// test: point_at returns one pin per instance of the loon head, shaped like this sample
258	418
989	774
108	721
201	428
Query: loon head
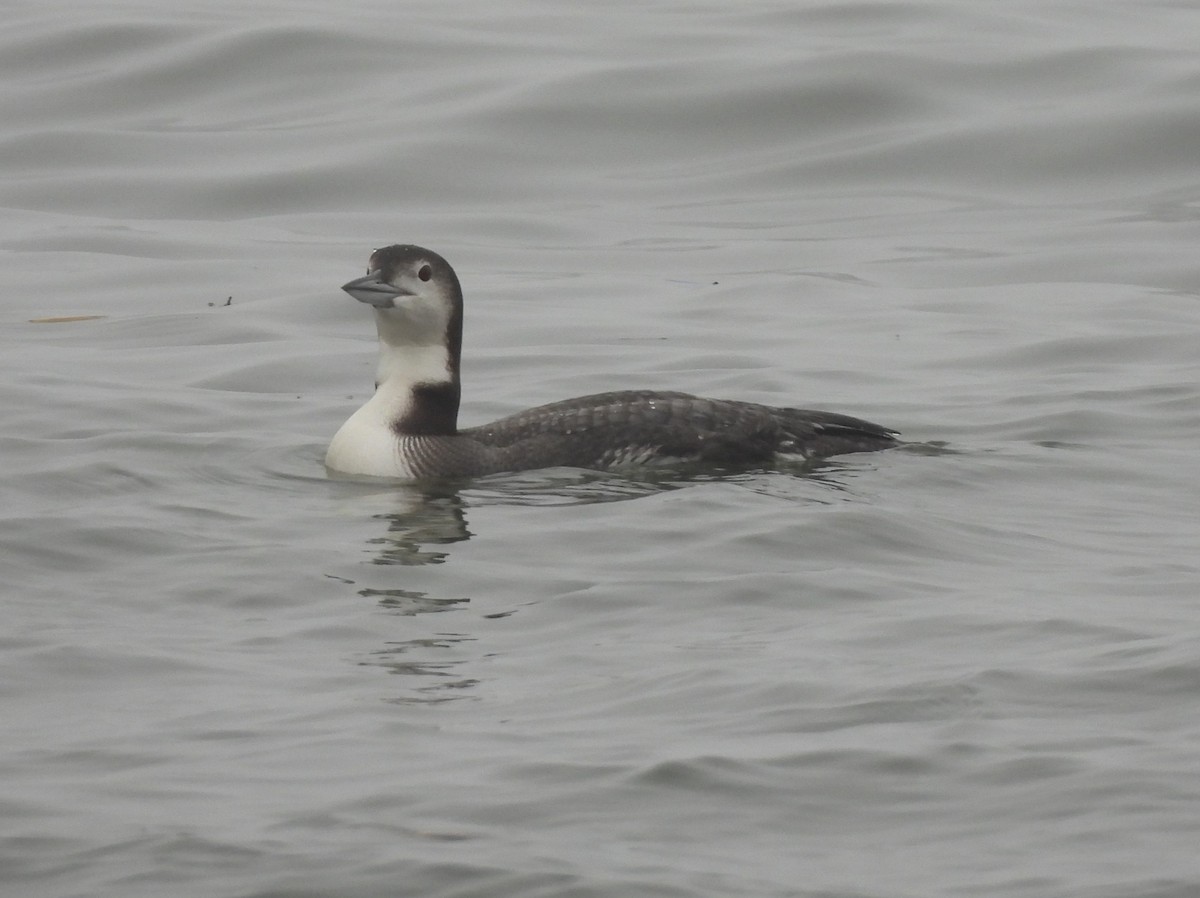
418	313
415	294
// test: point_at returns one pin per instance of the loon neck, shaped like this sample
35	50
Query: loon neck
416	376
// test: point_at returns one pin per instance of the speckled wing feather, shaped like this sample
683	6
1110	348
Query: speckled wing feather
636	427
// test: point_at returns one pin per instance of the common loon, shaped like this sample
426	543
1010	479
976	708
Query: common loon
409	427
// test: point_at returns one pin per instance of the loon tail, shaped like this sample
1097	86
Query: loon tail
818	434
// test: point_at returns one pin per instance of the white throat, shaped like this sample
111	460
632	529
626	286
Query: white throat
400	368
412	345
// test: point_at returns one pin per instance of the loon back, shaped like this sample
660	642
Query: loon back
409	427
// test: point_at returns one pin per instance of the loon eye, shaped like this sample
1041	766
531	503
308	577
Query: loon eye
425	273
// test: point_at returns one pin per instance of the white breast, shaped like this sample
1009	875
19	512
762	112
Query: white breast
366	444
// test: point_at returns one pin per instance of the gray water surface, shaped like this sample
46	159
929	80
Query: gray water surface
970	667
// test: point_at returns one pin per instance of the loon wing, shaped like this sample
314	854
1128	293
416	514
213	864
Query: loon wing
638	426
